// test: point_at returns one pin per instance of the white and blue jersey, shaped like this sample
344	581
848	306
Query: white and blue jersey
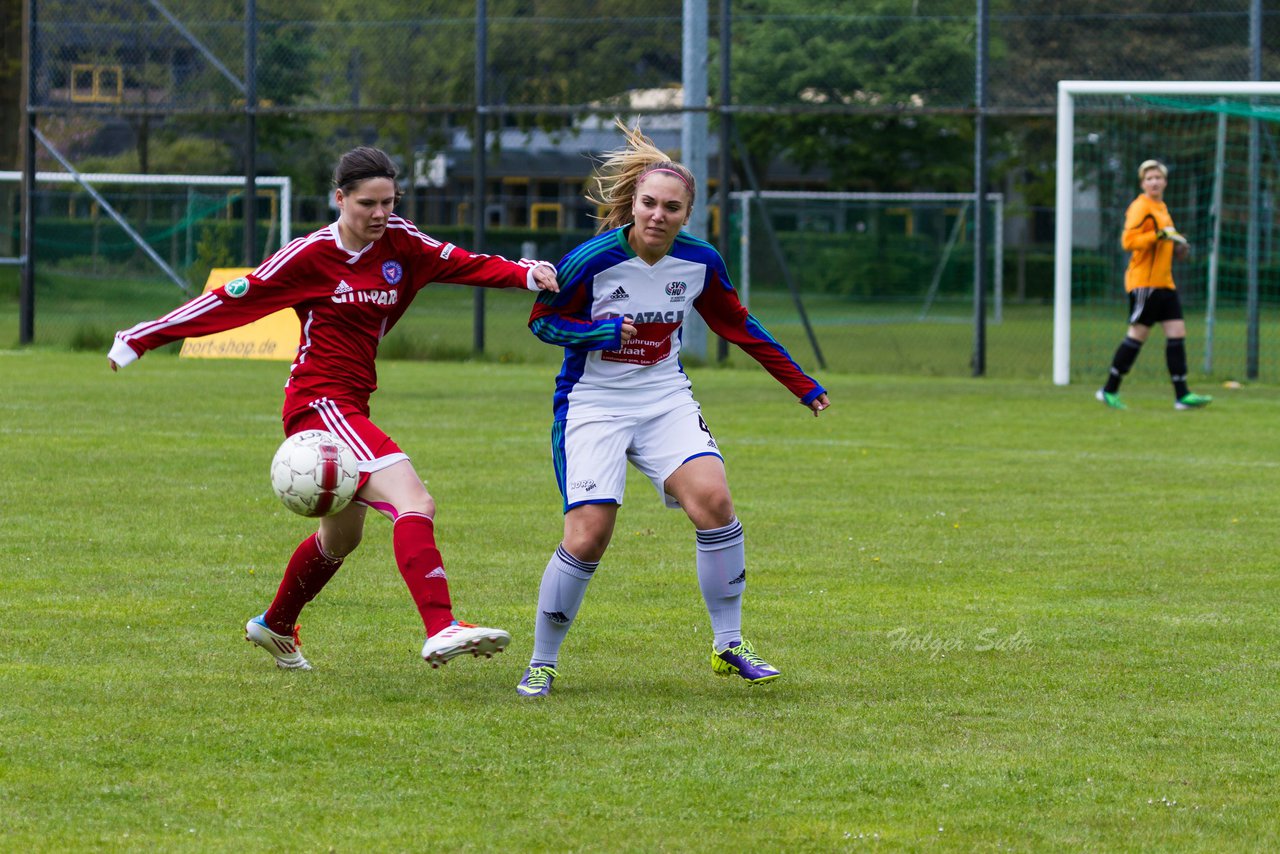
602	281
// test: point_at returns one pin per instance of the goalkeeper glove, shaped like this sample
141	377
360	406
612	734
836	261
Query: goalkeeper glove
1170	233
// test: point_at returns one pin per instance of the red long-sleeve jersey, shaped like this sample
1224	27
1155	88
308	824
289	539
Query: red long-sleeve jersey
346	302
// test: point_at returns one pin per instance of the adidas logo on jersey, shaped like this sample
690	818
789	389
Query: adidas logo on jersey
620	293
342	288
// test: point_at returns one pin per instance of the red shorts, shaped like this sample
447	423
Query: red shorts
374	449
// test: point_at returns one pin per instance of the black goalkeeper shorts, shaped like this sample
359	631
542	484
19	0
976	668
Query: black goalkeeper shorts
1149	306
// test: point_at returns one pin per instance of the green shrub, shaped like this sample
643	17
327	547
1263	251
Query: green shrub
88	337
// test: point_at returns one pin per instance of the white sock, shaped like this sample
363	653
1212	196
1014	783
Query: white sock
564	584
722	576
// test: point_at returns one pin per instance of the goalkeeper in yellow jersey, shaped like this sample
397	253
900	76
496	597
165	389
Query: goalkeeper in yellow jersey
1153	242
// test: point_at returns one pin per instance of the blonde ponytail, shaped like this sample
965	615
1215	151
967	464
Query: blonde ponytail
620	173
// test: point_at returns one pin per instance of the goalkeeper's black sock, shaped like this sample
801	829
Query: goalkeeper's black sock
1126	355
1175	355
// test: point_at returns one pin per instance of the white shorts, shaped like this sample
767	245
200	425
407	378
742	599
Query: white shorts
591	455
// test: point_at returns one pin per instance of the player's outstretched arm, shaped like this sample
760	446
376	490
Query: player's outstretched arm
213	311
728	317
121	354
607	333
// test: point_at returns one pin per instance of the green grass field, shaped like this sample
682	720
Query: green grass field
1008	619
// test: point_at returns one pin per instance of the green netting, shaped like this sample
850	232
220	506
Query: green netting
886	280
902	258
72	216
1204	140
92	278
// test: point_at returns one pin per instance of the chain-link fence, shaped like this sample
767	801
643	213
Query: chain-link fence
822	95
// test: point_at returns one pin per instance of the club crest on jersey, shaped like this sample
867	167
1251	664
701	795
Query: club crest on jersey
392	272
676	290
237	288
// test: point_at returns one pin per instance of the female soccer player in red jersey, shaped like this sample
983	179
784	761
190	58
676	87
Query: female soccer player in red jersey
1153	243
349	283
622	396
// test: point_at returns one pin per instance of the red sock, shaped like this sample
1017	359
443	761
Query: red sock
423	569
305	576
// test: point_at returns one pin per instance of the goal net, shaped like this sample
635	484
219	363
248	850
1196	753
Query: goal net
1219	141
89	222
114	247
876	257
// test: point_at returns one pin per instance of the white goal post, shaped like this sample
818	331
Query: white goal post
90	180
283	183
1064	219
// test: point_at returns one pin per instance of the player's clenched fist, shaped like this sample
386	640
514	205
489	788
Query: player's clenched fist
628	329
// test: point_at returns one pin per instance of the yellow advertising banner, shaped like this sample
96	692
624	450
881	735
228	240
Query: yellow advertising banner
273	337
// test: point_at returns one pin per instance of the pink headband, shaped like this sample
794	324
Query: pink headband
683	179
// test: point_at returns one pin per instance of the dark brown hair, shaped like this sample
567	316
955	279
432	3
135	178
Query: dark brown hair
361	164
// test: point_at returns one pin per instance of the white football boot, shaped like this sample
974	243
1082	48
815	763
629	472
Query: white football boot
284	648
462	638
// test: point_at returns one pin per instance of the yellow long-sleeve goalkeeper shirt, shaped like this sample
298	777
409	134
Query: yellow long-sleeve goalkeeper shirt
1151	261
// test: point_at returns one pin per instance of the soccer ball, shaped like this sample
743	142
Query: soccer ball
314	473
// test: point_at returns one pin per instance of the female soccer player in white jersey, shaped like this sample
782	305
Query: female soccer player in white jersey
349	283
623	395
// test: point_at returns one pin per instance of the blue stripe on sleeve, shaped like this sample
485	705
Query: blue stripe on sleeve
571	265
582	336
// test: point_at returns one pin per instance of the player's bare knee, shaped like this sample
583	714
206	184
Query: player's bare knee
342	532
418	502
416	499
424	505
590	551
1138	332
711	510
337	544
587	545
